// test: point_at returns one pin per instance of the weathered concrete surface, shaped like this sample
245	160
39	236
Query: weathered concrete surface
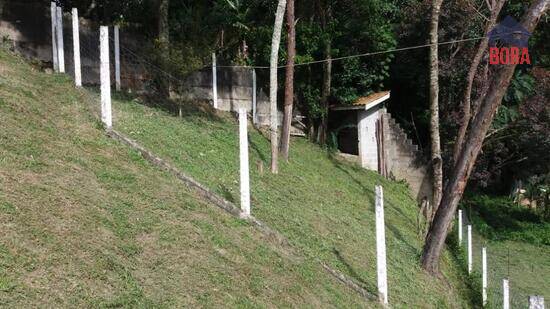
28	25
404	161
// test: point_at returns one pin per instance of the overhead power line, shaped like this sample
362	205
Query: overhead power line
358	55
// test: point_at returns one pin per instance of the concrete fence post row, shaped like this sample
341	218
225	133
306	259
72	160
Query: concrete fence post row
535	301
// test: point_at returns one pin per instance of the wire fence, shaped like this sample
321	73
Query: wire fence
139	72
503	262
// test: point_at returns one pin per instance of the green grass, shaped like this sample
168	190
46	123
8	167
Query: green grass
517	248
322	205
88	223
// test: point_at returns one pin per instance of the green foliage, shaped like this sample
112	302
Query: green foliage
499	218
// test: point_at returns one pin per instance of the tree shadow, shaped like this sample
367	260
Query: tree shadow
341	166
370	287
176	108
397	234
256	149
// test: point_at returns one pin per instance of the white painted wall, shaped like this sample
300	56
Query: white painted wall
368	147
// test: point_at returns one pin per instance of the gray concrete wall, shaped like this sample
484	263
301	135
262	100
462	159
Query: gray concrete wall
234	90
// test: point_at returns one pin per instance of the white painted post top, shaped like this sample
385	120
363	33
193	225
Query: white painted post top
536	302
505	294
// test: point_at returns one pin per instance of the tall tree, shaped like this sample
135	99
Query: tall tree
275	42
162	22
325	15
163	38
476	133
437	161
289	79
495	7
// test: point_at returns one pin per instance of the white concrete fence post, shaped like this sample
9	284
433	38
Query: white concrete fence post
60	47
536	302
254	103
117	57
505	294
469	249
245	177
106	114
76	49
484	275
55	56
214	82
382	274
460	227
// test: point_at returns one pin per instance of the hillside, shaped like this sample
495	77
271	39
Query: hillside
87	222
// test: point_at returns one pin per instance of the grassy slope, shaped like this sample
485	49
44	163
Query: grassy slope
85	222
324	206
517	246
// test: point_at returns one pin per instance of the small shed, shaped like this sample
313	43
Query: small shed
369	139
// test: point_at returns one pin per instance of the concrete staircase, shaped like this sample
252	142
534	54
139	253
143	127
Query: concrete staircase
404	161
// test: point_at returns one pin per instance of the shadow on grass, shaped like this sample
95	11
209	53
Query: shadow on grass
187	109
397	234
472	281
343	167
370	192
370	287
226	194
499	218
256	149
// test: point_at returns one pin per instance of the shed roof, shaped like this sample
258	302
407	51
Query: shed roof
365	103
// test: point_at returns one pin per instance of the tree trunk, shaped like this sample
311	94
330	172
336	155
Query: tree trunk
437	162
289	80
469	152
325	16
275	42
163	26
466	99
325	93
163	36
